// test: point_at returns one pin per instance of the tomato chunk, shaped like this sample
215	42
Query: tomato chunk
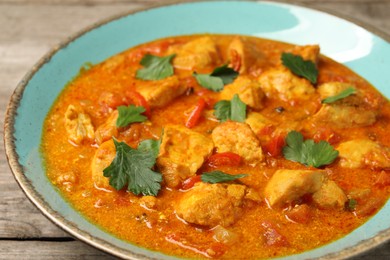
299	214
138	100
272	236
275	145
267	130
224	159
111	100
196	113
190	182
326	134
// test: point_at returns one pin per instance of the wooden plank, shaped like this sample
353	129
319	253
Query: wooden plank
28	32
75	250
26	36
20	219
48	250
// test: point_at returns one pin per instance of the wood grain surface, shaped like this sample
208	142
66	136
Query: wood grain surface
28	29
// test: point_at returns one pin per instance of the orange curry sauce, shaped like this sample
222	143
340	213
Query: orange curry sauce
259	230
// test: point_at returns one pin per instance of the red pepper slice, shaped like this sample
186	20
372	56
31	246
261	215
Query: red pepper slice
224	159
195	115
138	100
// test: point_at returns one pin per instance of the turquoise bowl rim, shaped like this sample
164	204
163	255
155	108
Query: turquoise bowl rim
39	201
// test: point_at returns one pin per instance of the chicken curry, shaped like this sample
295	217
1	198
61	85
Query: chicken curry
221	146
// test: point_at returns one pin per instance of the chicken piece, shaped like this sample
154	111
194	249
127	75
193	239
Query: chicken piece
103	157
238	138
243	54
196	54
148	202
212	204
347	112
308	52
108	129
78	125
287	126
248	90
341	116
364	153
173	172
237	193
257	121
330	89
282	83
114	62
285	186
158	93
182	153
330	195
360	98
252	195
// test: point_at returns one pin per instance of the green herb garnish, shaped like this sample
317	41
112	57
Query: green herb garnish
300	67
130	114
155	67
133	167
215	81
308	152
343	94
218	176
234	110
350	205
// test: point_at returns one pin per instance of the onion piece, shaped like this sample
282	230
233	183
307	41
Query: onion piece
224	235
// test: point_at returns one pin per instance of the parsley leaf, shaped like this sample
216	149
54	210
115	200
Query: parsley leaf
222	110
155	67
293	150
150	146
218	176
350	205
343	94
234	110
130	114
300	67
215	81
133	167
228	75
238	109
308	152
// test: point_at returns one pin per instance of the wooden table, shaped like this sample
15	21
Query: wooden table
28	29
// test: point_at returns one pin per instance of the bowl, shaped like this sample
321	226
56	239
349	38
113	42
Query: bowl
358	48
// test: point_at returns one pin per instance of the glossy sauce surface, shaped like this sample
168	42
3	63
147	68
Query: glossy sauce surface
158	227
